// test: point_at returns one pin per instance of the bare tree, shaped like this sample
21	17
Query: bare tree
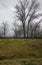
25	11
5	28
37	26
20	31
17	29
32	13
40	34
35	29
20	12
1	32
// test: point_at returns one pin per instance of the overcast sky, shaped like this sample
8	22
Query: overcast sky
7	8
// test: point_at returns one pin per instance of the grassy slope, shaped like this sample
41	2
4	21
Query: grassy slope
28	49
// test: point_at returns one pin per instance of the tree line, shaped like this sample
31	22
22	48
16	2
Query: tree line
26	13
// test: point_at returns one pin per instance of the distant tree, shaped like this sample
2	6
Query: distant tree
35	29
17	29
40	34
26	12
5	28
1	31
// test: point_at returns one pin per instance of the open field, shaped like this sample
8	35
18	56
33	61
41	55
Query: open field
20	51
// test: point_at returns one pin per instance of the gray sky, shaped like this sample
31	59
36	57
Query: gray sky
7	8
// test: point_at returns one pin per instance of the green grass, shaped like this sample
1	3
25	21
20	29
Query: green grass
23	49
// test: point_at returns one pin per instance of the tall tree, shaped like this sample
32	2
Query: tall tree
33	8
26	12
34	28
21	12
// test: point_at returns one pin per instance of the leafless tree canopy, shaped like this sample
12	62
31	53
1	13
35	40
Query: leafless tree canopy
26	11
5	28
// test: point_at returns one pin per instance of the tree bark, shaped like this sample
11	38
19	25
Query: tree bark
28	30
24	30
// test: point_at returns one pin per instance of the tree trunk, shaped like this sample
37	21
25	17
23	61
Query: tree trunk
4	32
28	30
24	30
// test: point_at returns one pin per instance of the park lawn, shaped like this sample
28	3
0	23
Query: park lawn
20	51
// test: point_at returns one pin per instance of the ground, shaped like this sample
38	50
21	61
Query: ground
20	51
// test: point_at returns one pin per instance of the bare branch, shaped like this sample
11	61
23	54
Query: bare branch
36	25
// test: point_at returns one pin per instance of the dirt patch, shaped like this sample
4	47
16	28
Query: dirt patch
34	44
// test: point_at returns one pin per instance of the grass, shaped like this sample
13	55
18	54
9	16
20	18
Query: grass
21	51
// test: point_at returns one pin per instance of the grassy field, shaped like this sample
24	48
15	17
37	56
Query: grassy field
20	51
